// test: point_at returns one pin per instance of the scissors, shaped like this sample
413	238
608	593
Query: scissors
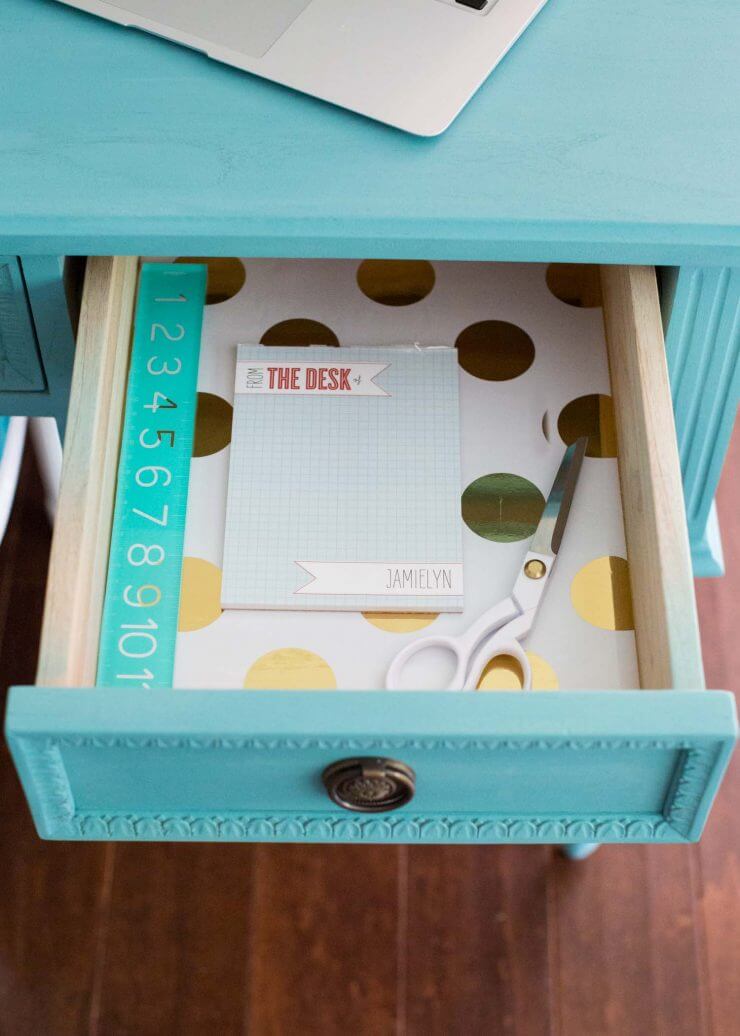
498	631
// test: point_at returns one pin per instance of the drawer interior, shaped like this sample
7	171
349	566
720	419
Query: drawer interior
624	303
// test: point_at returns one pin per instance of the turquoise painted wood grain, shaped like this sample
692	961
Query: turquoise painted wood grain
605	135
20	367
702	307
228	766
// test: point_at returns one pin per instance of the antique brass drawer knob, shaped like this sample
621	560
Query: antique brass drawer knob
369	785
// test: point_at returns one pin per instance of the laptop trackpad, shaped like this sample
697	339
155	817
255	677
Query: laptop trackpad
247	26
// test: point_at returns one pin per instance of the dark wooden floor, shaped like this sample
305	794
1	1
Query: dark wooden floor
168	939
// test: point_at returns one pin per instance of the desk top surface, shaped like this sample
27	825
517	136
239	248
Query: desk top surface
608	133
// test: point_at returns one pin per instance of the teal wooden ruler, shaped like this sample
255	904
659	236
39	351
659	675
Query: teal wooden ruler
142	599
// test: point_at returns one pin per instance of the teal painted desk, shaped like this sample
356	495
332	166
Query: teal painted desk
609	135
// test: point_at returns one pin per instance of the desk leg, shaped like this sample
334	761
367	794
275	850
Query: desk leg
579	850
701	310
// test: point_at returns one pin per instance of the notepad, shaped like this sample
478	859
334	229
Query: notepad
344	480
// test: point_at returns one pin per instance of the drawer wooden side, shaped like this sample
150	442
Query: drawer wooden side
79	556
666	624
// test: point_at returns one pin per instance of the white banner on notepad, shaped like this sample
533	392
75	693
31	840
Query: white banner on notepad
376	578
308	378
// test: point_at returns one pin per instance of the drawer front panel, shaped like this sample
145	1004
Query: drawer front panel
549	767
621	766
457	777
20	367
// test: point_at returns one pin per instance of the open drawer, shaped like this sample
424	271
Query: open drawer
629	765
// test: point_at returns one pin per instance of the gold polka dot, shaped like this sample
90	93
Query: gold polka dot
200	594
495	350
601	594
544	677
502	507
212	424
299	331
577	284
226	277
502	673
395	282
400	622
505	674
592	416
290	669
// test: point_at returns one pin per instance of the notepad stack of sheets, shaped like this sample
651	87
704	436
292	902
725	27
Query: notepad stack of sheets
344	480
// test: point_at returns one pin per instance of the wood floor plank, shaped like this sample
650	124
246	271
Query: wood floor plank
718	854
50	912
324	945
679	993
477	941
176	947
48	925
626	948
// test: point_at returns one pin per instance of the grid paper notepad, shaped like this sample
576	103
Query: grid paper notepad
344	480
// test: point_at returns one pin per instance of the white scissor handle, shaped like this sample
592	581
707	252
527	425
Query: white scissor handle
463	647
454	645
503	643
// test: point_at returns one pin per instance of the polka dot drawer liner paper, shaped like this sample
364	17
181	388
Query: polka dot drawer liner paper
533	377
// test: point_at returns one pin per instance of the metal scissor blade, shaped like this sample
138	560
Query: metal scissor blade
550	531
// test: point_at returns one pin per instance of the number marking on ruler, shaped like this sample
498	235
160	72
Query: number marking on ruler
142	599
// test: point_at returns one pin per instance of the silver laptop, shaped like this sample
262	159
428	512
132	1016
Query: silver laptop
411	63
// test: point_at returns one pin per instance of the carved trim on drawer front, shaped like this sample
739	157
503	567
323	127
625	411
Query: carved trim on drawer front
43	758
691	782
46	768
341	744
403	828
